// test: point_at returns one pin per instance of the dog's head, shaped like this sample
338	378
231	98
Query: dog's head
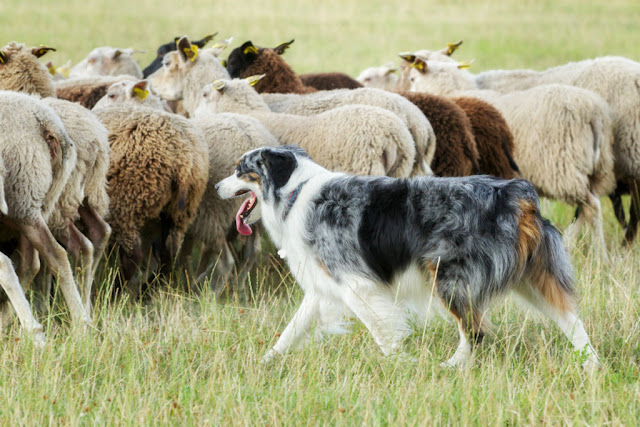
261	174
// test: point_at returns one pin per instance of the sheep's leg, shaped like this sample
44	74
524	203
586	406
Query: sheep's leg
11	285
29	263
588	212
41	291
618	208
98	231
223	270
205	265
81	250
185	259
56	258
252	248
634	213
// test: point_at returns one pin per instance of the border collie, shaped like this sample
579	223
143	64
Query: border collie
380	248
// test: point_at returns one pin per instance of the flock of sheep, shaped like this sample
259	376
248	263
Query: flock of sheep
94	155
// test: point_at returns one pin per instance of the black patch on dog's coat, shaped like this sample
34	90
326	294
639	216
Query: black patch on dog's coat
280	165
383	231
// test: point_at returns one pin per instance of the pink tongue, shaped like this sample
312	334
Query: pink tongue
243	228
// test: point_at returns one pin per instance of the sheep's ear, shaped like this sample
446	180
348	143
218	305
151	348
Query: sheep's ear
206	39
249	49
222	45
223	62
3	57
253	80
140	90
420	65
451	47
465	64
116	54
219	85
40	51
409	57
390	70
187	50
282	47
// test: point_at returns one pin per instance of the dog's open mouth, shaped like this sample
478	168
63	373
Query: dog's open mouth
243	214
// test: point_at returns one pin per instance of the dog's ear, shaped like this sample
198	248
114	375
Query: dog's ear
280	164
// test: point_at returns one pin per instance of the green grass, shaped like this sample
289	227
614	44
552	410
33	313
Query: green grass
180	359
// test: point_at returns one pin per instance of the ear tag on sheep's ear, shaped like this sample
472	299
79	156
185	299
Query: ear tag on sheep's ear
65	70
3	57
40	51
141	94
191	52
282	47
250	49
420	65
218	85
409	57
51	68
116	54
253	80
451	47
206	39
390	71
465	64
223	63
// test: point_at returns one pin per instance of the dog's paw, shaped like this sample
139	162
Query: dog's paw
269	357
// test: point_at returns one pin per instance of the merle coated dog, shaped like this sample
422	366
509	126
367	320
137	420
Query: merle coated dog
381	248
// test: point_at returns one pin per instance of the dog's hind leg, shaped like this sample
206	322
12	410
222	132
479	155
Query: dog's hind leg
375	307
297	328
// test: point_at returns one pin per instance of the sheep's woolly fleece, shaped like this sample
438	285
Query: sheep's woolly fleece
21	71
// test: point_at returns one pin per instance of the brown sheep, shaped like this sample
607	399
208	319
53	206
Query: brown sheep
494	139
456	153
158	172
329	81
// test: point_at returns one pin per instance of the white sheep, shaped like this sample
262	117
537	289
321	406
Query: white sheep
228	136
384	77
84	199
131	91
184	73
319	102
358	139
107	61
38	157
563	137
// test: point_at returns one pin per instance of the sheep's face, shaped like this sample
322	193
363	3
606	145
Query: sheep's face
384	77
440	78
236	96
241	58
127	91
167	82
107	61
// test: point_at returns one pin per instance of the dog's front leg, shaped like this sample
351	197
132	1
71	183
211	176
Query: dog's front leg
297	328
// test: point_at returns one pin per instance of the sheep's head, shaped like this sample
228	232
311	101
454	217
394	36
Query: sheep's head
241	58
21	71
170	47
440	78
384	77
168	81
236	96
127	91
107	61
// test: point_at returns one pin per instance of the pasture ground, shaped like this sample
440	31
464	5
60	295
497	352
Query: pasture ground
192	360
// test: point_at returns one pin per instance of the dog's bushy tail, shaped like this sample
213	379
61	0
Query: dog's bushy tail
551	272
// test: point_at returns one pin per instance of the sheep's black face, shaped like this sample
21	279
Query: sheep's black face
241	58
157	62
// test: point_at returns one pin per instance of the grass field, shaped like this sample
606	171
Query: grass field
192	360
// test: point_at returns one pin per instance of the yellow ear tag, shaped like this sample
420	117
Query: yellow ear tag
418	65
254	79
451	47
224	63
250	49
140	93
465	64
52	69
191	53
64	70
218	85
3	57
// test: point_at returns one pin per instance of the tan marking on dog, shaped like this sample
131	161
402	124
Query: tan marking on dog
251	177
529	231
552	292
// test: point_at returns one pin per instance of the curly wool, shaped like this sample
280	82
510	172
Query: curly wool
89	177
456	153
158	164
319	102
329	81
23	72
